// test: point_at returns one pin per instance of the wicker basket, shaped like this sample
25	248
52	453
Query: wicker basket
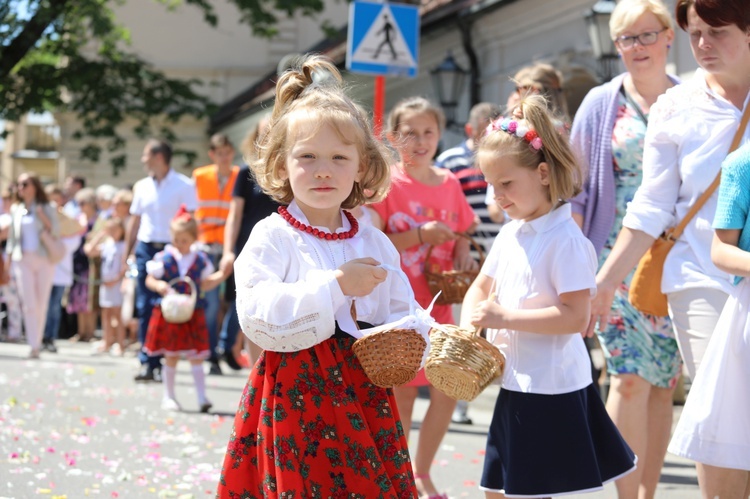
390	358
177	308
461	363
453	284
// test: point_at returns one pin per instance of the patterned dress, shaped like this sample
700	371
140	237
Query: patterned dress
310	424
633	342
190	338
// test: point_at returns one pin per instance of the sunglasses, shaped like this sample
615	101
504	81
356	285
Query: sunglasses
25	183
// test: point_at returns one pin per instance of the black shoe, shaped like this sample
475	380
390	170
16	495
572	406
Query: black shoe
215	369
231	361
49	346
149	373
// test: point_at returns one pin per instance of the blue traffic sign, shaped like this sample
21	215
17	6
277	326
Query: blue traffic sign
383	39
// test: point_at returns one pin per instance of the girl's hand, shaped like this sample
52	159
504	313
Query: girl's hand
164	288
601	305
436	233
462	259
489	313
359	277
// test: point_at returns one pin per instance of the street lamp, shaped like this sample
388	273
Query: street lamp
448	80
597	22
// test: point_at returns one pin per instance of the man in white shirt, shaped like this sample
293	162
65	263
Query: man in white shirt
156	200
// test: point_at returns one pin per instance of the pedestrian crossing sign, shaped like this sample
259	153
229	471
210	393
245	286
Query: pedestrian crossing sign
383	39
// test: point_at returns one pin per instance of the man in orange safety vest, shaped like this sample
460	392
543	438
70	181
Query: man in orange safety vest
214	185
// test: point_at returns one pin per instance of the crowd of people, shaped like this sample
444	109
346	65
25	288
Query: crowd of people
313	240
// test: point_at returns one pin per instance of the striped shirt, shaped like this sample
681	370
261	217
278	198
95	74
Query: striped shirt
460	161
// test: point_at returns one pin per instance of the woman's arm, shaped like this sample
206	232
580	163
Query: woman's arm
231	231
570	316
630	246
727	256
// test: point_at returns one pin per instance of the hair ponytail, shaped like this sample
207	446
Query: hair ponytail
313	71
312	92
566	176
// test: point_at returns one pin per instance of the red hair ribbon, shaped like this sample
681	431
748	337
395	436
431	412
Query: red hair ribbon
182	215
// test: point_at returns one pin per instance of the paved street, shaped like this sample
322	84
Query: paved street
74	425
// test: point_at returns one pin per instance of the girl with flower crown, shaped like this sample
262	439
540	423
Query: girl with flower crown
550	434
310	423
189	339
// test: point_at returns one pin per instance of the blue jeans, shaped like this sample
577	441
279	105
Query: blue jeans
212	313
229	328
144	299
54	313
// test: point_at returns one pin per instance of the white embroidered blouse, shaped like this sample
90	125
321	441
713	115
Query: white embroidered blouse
287	295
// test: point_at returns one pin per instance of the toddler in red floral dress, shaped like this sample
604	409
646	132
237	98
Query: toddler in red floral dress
167	273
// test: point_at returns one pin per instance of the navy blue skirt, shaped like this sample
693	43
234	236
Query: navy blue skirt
547	445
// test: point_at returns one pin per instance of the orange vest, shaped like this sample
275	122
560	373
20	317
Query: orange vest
213	206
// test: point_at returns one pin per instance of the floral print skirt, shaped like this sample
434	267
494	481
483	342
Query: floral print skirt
641	344
310	424
189	339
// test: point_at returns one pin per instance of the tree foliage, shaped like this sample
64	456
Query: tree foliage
72	56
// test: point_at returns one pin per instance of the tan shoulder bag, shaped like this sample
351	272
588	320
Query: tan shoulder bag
645	288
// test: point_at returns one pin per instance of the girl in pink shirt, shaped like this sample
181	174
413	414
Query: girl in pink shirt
425	207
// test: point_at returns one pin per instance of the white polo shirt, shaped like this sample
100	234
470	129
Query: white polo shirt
533	263
158	202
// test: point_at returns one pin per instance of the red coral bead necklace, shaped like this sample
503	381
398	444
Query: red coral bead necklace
328	236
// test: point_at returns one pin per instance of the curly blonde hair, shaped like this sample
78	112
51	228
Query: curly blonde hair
312	92
565	174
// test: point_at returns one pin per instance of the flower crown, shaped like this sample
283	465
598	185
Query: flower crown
519	128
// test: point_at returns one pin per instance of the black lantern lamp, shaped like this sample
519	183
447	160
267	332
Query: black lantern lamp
448	80
597	22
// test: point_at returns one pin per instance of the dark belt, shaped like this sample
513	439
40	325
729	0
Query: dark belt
156	246
341	334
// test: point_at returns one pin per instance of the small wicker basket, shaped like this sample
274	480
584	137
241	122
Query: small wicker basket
461	363
390	358
453	284
177	308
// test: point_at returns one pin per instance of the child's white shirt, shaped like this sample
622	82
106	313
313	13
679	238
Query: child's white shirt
288	297
111	253
155	267
534	263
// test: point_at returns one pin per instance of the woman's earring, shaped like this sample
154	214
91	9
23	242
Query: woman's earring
669	45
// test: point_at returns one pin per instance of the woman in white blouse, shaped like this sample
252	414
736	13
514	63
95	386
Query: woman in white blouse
689	134
33	269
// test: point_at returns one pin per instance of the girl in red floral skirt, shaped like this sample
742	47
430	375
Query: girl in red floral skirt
189	339
310	423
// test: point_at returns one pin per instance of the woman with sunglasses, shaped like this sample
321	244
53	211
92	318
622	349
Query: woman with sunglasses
608	133
689	134
33	270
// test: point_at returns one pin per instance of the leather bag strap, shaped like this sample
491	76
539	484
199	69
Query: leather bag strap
677	231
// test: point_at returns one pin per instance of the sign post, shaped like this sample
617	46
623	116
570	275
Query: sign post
383	40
